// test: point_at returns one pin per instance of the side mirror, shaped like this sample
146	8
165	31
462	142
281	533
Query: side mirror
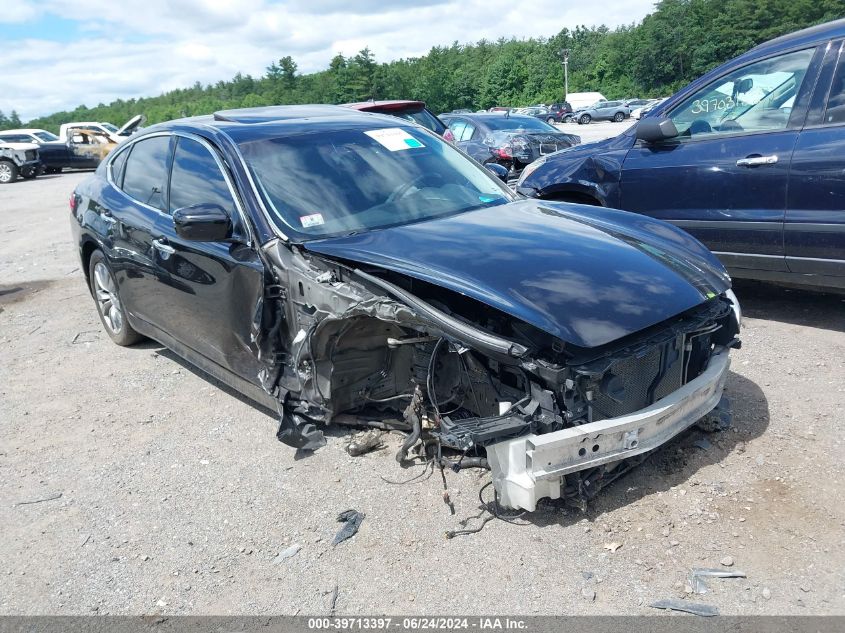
498	171
744	85
202	223
654	130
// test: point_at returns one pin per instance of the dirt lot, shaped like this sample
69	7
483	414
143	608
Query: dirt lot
177	498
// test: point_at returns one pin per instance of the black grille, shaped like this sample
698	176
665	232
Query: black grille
637	381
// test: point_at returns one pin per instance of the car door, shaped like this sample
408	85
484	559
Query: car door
724	177
606	110
814	228
207	293
131	212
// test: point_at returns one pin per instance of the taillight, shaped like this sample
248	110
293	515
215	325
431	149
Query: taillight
73	202
502	152
447	135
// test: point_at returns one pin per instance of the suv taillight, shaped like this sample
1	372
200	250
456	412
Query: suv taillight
73	202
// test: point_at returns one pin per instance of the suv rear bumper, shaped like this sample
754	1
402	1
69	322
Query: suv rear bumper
531	467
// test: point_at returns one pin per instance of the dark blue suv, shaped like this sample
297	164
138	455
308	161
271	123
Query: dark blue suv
750	159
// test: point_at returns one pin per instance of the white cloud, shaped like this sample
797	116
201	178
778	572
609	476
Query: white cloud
134	48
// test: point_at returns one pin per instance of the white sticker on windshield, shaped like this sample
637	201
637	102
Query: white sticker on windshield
315	219
394	139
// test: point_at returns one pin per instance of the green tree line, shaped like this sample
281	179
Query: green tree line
678	42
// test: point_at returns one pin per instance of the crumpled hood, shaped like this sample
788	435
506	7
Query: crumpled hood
584	274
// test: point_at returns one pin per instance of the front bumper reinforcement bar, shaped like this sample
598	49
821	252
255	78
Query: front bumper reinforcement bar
532	467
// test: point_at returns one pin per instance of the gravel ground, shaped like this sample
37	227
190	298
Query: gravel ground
177	498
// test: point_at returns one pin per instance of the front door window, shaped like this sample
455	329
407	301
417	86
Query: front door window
754	98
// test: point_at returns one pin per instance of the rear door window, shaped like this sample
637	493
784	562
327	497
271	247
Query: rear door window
196	178
145	173
835	111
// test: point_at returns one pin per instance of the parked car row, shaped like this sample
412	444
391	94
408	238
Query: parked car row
80	145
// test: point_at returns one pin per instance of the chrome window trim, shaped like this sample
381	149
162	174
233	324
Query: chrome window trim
252	183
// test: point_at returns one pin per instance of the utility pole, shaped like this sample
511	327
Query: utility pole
565	53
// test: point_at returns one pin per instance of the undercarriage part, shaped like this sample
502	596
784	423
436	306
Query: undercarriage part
297	430
413	416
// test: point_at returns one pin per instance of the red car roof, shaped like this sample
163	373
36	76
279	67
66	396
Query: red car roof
385	106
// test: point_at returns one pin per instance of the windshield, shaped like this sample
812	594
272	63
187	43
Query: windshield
109	127
47	136
517	123
324	183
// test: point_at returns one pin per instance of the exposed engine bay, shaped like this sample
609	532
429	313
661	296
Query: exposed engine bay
340	342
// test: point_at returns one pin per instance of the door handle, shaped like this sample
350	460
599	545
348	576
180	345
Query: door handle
162	246
756	161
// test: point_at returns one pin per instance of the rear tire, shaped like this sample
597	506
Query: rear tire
105	292
619	117
30	172
567	118
585	119
8	172
551	120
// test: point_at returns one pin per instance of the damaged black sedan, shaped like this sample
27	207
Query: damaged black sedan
343	267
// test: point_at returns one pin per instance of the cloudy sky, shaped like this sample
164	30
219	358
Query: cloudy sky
60	53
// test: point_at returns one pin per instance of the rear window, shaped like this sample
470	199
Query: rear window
422	117
514	123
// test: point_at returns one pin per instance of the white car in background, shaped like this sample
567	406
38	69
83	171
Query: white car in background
637	113
28	135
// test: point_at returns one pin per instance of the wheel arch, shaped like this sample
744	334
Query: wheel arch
574	192
86	249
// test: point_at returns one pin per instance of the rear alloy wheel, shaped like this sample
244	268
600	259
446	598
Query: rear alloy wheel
104	290
619	117
567	119
585	119
8	172
550	120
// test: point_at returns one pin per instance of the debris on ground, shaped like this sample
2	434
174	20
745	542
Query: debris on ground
696	608
364	443
719	419
352	521
727	561
703	444
588	594
697	576
50	498
612	547
290	552
333	601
